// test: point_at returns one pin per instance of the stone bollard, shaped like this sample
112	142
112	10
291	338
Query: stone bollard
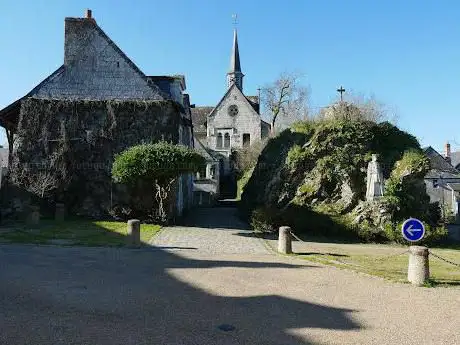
284	240
418	271
60	212
134	232
34	216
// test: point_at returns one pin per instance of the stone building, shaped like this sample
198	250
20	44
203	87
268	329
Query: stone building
235	121
97	104
443	182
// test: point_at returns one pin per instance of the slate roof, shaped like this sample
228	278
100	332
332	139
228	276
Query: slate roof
254	101
203	150
455	159
199	118
440	168
235	65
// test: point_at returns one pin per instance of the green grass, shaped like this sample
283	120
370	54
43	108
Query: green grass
242	182
76	232
382	263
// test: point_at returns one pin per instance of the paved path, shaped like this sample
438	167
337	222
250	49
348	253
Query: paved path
171	295
211	230
109	296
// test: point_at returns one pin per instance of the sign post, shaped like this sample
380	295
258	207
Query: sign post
418	271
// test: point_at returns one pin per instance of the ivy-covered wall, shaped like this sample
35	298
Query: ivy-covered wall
64	149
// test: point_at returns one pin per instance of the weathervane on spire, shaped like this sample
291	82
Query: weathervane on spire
235	19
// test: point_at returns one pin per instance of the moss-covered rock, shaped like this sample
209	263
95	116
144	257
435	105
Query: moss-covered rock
314	176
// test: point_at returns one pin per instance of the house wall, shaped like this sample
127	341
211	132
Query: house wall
442	194
85	185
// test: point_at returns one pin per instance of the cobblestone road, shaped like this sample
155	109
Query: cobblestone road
215	231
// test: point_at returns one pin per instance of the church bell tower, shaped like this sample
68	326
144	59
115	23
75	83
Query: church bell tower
234	75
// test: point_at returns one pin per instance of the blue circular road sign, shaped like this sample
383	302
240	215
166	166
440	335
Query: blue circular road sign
413	230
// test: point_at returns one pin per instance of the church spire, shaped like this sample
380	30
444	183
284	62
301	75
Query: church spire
235	58
235	76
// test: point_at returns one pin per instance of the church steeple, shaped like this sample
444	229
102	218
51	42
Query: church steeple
235	75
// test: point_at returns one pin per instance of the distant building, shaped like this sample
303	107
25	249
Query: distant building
235	121
443	181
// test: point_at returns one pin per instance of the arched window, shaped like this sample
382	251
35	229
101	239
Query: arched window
219	141
227	140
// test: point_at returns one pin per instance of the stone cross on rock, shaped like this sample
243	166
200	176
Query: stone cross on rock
374	188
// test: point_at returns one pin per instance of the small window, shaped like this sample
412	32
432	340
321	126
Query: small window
227	141
435	184
246	140
219	141
118	64
213	171
202	172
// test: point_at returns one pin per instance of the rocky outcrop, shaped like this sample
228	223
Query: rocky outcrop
312	177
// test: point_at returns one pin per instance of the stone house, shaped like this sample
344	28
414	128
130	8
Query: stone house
235	121
443	182
97	104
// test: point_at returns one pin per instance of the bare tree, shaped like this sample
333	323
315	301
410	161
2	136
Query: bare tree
285	99
357	107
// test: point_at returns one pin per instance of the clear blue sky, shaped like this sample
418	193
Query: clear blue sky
406	53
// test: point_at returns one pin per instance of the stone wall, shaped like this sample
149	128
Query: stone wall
85	136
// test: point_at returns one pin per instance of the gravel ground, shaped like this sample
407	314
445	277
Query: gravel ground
77	295
213	231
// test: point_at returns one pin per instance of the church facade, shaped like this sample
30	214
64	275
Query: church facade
234	123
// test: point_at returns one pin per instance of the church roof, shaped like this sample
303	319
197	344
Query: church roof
199	117
235	65
254	101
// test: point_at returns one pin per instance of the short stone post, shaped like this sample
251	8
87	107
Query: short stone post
60	212
284	240
418	271
134	232
34	216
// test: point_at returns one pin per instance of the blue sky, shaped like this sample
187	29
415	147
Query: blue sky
406	53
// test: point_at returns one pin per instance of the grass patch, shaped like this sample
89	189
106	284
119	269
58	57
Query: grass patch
242	181
75	232
383	261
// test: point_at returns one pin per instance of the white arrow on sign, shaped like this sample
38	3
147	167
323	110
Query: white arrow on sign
411	231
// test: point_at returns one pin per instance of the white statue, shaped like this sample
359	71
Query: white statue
374	180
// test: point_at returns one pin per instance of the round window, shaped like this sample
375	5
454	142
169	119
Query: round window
233	110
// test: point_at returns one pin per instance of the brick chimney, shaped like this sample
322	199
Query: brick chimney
448	158
89	14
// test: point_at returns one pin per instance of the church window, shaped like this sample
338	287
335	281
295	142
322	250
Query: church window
233	110
246	140
219	141
227	141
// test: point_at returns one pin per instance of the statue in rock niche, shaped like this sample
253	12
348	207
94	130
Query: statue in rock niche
374	188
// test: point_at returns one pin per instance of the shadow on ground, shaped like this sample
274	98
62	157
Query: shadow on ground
133	296
223	217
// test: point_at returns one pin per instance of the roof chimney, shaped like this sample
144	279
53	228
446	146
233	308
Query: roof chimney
448	152
88	14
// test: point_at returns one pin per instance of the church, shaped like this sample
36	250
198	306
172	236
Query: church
234	123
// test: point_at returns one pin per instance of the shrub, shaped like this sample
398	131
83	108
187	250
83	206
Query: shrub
264	219
157	165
